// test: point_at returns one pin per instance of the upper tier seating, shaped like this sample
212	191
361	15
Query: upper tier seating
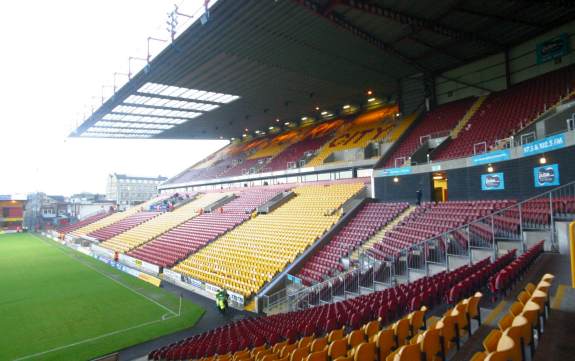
430	220
122	226
370	219
116	217
443	118
72	227
329	320
505	112
366	128
250	255
189	237
149	230
295	152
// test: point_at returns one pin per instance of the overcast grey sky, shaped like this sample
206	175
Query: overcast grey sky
55	57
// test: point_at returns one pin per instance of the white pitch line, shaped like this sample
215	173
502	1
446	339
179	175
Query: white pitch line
91	339
118	282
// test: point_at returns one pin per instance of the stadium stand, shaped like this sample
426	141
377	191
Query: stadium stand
371	218
122	226
350	322
115	217
244	259
151	229
504	113
187	238
430	220
369	127
437	122
89	220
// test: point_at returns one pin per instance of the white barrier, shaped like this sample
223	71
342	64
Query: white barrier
139	264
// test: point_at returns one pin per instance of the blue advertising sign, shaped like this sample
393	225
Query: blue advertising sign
395	171
546	175
552	48
492	182
491	157
544	145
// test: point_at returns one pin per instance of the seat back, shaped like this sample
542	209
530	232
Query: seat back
337	348
430	344
371	328
523	297
505	322
408	353
365	352
473	305
299	354
335	335
317	356
516	308
385	342
319	344
401	331
355	338
490	342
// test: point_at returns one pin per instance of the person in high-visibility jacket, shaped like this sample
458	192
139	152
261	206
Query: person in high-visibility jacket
222	300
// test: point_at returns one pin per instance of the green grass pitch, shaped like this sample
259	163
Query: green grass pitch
58	304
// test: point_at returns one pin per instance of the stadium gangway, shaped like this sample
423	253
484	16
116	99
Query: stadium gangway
504	229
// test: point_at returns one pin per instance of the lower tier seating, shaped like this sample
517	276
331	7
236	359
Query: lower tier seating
371	218
72	227
515	337
189	237
361	318
244	259
115	229
430	220
147	231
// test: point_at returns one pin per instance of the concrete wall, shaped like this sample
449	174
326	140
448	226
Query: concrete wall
464	182
490	72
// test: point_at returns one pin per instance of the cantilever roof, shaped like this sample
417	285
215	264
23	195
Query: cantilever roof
257	61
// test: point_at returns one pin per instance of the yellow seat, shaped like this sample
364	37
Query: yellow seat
335	335
417	320
503	351
408	353
472	307
365	352
278	346
505	322
401	331
305	341
287	349
490	342
385	342
479	356
354	338
430	344
529	288
319	344
523	297
461	318
516	308
337	348
447	329
370	329
317	356
299	354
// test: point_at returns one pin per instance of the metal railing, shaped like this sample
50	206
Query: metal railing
503	229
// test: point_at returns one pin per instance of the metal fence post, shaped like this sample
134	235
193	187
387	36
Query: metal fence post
552	224
469	245
524	246
494	245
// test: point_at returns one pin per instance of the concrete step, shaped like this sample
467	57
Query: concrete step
470	112
379	235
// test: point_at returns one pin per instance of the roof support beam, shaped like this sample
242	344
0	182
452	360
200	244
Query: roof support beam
341	22
371	39
437	49
497	17
427	24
